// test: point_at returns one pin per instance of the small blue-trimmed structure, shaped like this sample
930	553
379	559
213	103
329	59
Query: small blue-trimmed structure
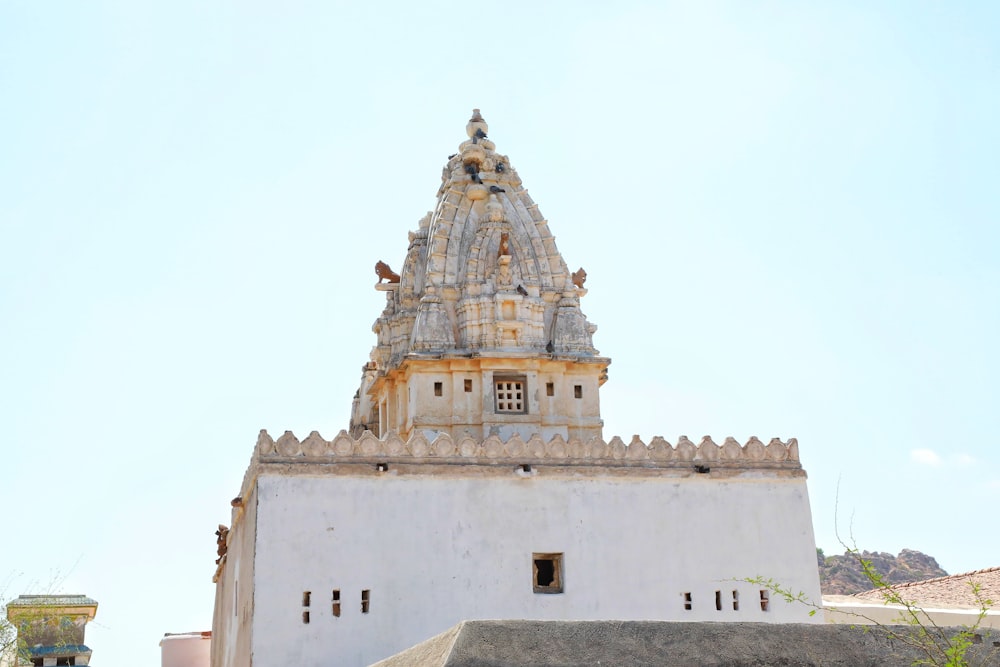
51	629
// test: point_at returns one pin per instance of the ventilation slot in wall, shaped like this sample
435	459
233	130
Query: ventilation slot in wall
736	600
718	600
764	601
365	601
336	602
687	602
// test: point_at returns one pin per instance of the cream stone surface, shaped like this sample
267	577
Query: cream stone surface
474	480
483	294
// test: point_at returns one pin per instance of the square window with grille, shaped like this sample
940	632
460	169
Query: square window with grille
511	395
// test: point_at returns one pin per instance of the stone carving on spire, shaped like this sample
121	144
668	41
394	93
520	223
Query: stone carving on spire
383	272
482	275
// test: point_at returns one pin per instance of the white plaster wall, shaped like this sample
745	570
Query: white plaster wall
192	650
234	593
842	609
435	550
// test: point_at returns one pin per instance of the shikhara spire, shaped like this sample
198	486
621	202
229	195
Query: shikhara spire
482	278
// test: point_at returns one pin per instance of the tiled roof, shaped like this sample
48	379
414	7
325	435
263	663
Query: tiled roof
52	601
952	591
61	650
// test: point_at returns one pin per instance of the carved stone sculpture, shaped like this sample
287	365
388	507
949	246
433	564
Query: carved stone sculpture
383	272
220	542
504	244
579	278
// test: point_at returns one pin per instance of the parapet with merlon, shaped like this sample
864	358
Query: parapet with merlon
659	453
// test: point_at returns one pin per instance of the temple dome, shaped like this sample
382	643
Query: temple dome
483	306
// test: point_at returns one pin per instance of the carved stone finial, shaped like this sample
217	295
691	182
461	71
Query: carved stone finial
383	272
477	127
579	277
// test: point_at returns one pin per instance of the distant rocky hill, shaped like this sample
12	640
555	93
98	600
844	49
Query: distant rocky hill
842	575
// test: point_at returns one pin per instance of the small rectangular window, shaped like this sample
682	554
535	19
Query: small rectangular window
510	396
578	391
688	604
305	617
468	386
718	600
736	600
547	573
365	601
550	388
438	388
764	601
306	596
336	602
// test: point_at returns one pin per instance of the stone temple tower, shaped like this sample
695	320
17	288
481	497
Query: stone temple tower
482	332
474	480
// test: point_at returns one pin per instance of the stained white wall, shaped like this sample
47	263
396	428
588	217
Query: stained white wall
435	550
232	620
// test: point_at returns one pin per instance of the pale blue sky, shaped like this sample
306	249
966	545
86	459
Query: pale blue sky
788	213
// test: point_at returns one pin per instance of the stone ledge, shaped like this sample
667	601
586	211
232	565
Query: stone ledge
641	643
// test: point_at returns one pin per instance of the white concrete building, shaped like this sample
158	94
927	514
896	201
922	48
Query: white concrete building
474	481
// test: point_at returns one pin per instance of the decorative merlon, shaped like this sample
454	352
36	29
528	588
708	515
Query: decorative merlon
557	451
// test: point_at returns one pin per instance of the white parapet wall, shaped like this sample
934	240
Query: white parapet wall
366	547
186	649
854	611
